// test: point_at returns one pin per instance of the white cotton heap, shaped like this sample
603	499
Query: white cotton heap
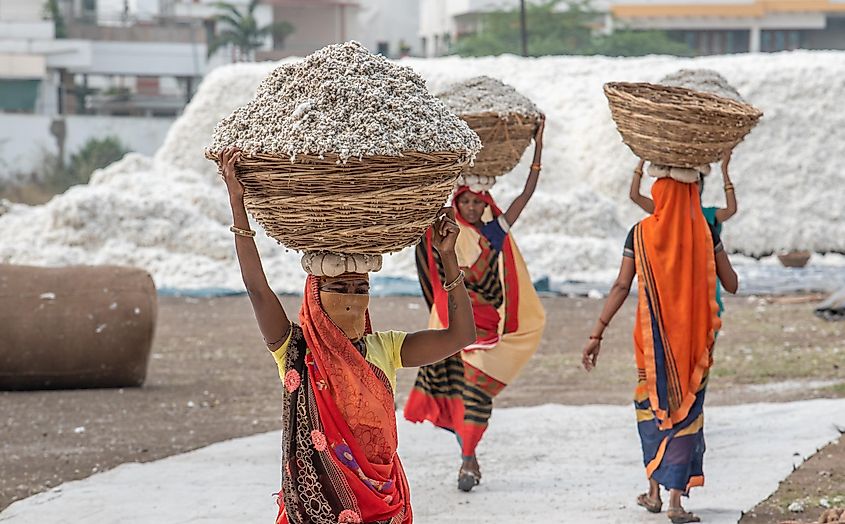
704	80
346	101
484	94
170	215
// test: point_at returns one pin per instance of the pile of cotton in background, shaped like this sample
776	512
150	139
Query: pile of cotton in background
169	214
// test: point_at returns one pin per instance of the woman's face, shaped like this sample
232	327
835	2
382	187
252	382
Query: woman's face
471	207
345	300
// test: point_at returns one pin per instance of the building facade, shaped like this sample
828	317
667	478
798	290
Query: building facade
707	26
740	26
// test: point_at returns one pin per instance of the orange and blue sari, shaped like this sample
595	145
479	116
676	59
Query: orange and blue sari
674	334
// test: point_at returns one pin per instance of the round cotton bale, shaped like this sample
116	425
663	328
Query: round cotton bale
75	327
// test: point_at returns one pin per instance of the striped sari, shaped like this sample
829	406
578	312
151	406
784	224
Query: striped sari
457	393
677	318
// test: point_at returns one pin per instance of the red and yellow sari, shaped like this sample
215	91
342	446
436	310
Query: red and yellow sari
677	318
339	437
457	393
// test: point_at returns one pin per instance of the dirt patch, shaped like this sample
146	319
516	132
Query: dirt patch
815	486
210	380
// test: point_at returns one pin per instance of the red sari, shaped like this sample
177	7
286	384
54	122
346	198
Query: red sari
339	439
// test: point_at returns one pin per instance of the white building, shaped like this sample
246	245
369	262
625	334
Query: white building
708	26
390	27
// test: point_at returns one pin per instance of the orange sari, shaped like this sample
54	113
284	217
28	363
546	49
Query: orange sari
677	301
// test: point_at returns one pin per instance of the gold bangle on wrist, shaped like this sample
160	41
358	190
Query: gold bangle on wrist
242	232
638	172
536	165
455	283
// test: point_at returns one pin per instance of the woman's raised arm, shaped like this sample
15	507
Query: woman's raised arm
519	203
272	319
645	203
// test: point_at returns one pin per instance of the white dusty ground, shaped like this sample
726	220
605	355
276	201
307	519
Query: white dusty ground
546	464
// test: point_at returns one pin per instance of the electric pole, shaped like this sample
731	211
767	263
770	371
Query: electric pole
522	29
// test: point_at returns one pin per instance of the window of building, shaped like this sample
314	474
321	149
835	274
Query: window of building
383	48
715	42
780	40
18	96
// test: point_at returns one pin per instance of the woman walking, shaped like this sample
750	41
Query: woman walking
339	438
715	216
677	258
457	393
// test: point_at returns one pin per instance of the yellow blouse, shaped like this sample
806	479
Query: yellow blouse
384	351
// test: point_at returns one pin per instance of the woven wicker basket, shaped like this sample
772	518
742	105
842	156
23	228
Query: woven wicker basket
504	140
674	126
371	206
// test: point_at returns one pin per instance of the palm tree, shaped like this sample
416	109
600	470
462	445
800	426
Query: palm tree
242	32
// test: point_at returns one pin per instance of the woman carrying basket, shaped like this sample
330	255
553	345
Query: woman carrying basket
339	438
715	216
457	393
677	258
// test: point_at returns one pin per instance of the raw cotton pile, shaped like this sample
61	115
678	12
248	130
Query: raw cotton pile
705	80
504	119
328	137
171	217
344	101
484	94
221	91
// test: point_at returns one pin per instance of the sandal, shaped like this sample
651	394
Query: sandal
650	504
468	478
681	516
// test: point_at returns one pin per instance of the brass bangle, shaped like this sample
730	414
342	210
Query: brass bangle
537	166
455	283
242	232
595	338
603	323
638	172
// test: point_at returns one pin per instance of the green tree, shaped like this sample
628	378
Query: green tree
562	27
639	43
240	30
555	27
94	154
53	12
